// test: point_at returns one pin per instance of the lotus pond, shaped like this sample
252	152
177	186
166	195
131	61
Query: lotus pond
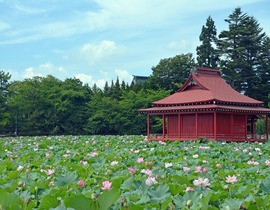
127	172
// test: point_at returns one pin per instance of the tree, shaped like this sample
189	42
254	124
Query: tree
240	48
171	73
4	115
72	109
103	115
264	73
46	106
26	102
207	55
133	122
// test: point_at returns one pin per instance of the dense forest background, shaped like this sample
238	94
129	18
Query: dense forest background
49	106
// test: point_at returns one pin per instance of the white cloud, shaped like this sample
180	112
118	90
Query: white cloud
84	78
179	45
112	14
44	70
105	77
100	83
30	73
95	52
123	75
150	13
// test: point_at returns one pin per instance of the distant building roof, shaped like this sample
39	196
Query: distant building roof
139	79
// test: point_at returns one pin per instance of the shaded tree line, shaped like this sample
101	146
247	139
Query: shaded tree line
49	106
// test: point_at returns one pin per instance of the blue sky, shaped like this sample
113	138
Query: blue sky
98	40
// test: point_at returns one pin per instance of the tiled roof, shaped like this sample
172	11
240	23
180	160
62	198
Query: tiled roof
205	85
207	107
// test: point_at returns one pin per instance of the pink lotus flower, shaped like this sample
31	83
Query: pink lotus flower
83	162
162	142
149	163
198	169
106	185
94	154
218	165
81	183
186	169
150	181
140	160
189	189
146	171
205	170
168	165
231	179
200	182
20	168
49	172
267	162
114	163
195	156
132	170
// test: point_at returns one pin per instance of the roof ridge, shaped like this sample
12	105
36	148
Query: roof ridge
189	82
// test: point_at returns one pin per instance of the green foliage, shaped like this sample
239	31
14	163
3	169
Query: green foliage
43	106
173	167
108	198
260	126
67	178
79	202
4	115
241	48
171	73
207	55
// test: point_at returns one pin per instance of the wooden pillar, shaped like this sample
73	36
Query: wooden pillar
246	127
252	127
148	126
163	126
266	124
179	126
215	125
196	124
232	133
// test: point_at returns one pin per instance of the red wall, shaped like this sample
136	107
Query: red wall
239	125
172	126
188	126
206	125
224	125
231	126
228	126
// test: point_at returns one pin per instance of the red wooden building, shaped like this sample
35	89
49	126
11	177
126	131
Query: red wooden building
206	106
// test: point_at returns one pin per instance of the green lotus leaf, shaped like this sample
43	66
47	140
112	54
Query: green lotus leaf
48	201
231	204
108	198
67	178
78	202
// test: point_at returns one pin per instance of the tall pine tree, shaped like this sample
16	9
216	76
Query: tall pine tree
264	73
207	55
240	48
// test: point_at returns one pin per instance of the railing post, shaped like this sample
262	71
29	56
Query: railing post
215	125
266	124
148	126
163	126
